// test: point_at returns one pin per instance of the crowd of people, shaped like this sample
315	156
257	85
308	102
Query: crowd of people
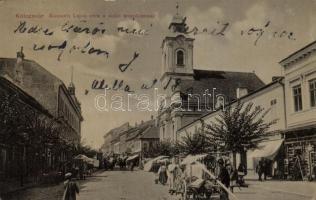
192	179
120	161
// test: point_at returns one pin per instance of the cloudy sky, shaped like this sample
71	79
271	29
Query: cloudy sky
235	51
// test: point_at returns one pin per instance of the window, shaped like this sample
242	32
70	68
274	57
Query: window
165	60
180	57
297	94
145	148
312	92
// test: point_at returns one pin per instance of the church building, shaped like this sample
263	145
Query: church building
190	92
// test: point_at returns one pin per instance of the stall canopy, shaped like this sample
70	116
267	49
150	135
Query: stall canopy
132	157
268	149
192	158
88	160
149	164
82	157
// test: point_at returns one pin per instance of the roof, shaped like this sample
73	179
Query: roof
178	19
118	130
39	83
225	82
6	84
150	133
276	81
140	130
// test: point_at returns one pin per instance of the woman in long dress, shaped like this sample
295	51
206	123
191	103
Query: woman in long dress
71	188
162	173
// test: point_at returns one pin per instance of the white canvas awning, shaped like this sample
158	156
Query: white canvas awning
132	157
193	158
267	149
149	164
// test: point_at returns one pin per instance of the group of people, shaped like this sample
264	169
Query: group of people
262	169
230	176
177	176
110	162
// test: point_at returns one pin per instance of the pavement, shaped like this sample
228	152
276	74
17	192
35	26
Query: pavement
139	185
275	190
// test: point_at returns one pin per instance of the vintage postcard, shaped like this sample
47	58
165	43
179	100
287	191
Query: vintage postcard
157	99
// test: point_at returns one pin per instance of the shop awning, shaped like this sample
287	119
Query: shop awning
267	149
132	157
149	164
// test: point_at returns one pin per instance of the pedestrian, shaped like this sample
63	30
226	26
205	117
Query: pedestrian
242	169
105	163
171	176
223	177
162	174
71	188
132	165
259	169
265	168
233	173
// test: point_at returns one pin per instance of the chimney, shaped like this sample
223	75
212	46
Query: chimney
19	66
20	56
240	92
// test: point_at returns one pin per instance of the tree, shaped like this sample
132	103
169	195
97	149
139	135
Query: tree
86	150
238	129
165	148
194	144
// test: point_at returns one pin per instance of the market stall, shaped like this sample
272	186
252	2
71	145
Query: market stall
149	165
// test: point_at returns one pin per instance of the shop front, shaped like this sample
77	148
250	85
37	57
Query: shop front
271	153
300	154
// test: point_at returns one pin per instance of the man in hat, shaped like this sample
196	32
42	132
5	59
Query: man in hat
71	188
223	176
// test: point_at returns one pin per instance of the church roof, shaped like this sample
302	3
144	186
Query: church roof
178	19
225	82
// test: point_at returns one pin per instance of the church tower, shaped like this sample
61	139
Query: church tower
177	51
177	65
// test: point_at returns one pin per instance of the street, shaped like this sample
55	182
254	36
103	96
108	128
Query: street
123	185
139	185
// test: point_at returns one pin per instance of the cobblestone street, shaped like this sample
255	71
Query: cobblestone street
139	185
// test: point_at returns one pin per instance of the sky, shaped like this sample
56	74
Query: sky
235	50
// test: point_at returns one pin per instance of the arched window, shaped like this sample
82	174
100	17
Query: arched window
180	57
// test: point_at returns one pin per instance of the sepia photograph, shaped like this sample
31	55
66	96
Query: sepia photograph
157	100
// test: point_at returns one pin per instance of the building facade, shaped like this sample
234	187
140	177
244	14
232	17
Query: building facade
16	147
290	143
300	92
52	94
270	97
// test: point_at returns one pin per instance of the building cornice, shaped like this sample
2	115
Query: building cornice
299	55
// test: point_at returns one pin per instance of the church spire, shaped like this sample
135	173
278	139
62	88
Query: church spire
178	22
